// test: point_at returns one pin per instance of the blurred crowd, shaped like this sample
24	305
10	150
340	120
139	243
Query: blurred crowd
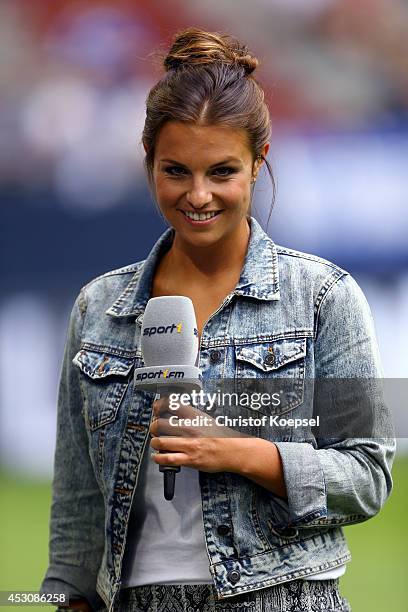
74	77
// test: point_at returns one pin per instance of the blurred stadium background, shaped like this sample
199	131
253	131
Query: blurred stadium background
74	76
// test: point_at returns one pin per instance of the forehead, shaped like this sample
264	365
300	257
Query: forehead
186	142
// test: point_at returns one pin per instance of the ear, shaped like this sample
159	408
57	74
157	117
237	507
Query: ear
263	154
144	146
265	150
258	162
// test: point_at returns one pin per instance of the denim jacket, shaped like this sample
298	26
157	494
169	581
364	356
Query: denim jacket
314	320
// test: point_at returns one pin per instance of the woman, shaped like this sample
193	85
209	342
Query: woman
256	520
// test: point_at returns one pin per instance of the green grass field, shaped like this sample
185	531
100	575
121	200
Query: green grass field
376	580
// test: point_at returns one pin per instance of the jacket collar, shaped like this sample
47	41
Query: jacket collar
259	276
260	273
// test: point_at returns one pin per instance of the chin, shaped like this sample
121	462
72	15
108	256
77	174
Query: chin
201	241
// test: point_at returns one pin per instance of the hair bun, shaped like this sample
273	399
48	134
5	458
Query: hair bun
194	46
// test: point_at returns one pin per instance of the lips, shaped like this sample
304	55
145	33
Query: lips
201	219
196	216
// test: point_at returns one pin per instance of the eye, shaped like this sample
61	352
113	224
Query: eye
174	170
224	171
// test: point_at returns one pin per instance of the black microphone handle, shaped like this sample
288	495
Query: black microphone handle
169	471
169	479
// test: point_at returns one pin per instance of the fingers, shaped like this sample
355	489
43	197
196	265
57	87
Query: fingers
162	427
171	459
180	422
173	444
167	451
161	408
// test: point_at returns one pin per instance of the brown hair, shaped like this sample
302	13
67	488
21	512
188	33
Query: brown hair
208	81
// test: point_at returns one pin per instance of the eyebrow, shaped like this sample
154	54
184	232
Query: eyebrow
224	161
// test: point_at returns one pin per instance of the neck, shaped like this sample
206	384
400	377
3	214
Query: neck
212	261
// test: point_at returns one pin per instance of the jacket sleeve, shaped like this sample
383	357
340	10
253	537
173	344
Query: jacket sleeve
342	481
77	512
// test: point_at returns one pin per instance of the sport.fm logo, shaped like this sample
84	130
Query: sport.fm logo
163	374
160	374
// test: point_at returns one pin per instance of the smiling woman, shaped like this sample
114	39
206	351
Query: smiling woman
207	202
256	522
203	189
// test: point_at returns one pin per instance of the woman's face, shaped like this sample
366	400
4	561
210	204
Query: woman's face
202	179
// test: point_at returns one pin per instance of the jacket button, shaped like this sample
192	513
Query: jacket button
215	356
233	576
269	359
223	529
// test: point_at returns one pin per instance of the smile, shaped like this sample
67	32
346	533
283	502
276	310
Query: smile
200	217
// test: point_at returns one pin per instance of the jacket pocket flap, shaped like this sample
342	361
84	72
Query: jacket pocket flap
99	365
270	356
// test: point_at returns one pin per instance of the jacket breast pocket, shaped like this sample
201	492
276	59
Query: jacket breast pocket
106	378
275	369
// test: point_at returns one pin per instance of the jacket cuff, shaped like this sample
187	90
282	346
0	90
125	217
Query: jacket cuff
73	582
305	484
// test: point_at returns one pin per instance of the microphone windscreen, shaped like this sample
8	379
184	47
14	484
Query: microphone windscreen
169	331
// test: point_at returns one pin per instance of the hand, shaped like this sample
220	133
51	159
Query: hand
214	448
207	447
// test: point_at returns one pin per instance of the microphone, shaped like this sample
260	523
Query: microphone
169	346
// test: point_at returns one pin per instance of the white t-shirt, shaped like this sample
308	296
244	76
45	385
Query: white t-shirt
165	542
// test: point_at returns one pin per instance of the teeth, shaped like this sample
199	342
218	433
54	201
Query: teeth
199	216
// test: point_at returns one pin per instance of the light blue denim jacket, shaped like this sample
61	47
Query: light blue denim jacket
315	321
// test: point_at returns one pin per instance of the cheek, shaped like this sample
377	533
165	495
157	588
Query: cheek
167	192
237	192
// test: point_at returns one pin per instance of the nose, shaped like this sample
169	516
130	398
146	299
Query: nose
199	195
